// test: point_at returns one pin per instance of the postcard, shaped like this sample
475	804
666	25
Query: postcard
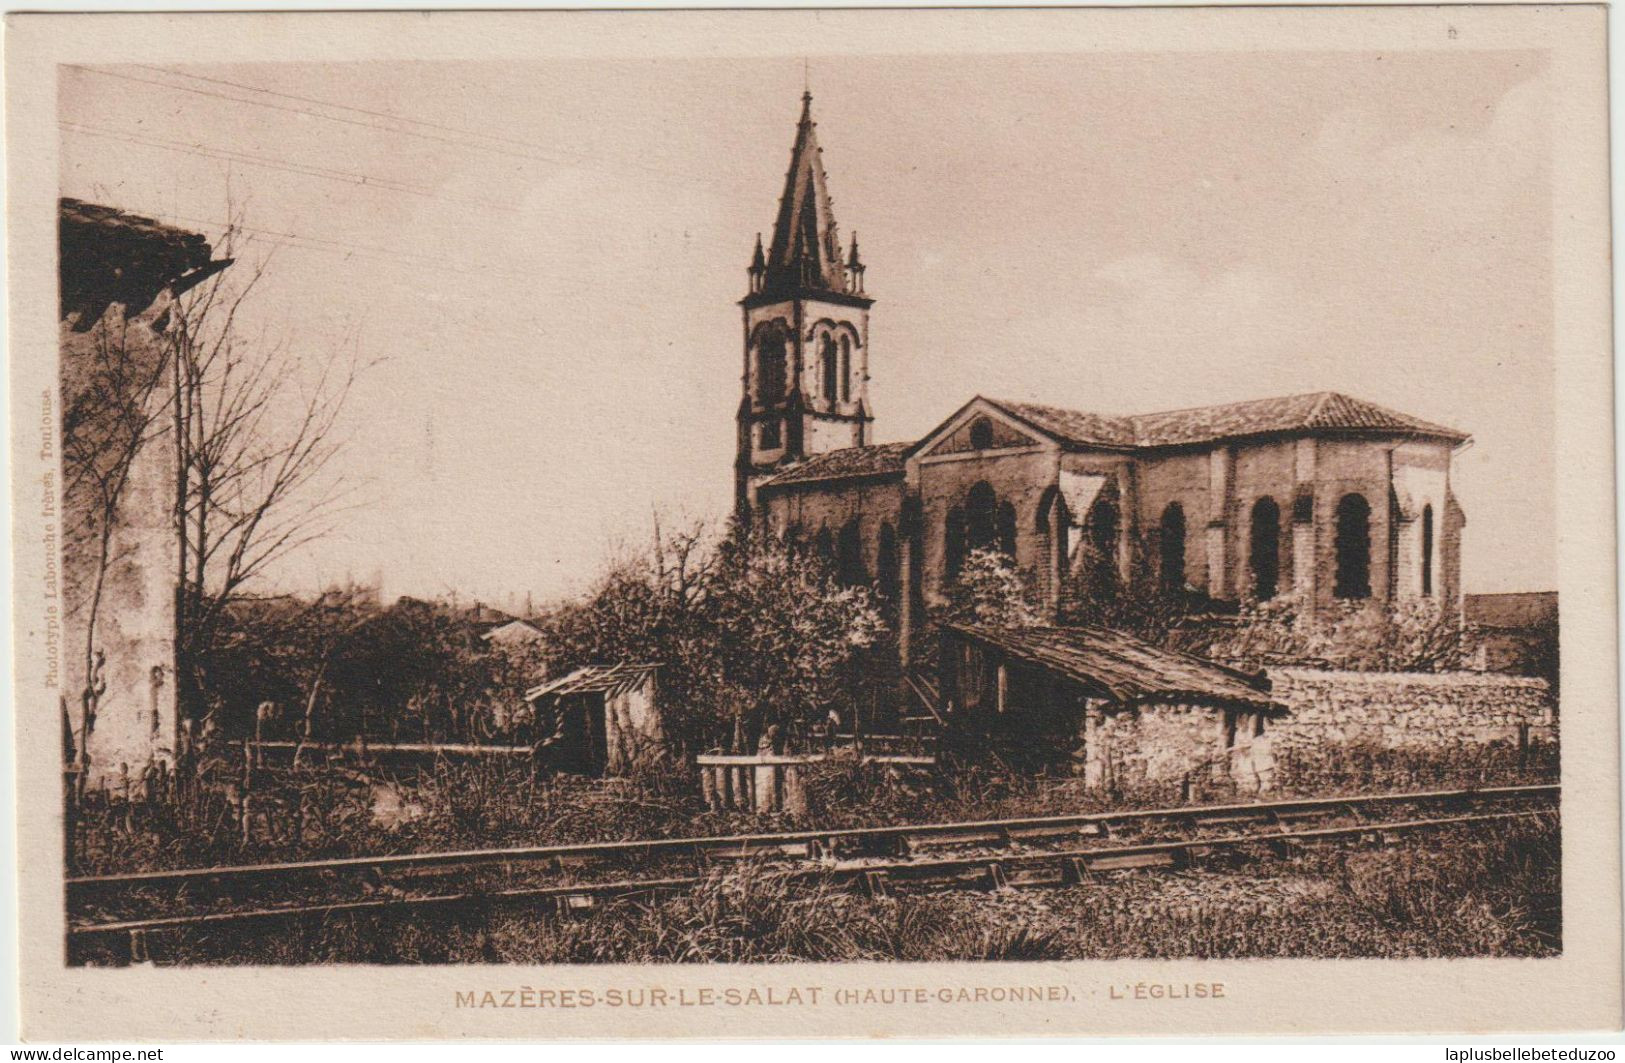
814	523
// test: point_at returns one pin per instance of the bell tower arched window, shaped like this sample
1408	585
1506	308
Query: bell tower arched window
1264	552
770	368
827	363
846	368
1353	548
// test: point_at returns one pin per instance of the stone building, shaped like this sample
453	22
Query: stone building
119	276
1120	711
1321	494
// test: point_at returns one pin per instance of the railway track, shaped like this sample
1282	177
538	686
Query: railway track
1035	851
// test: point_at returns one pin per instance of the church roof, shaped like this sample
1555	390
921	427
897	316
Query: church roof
806	248
882	459
1073	426
1321	410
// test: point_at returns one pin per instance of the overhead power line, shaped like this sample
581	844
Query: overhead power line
387	184
463	139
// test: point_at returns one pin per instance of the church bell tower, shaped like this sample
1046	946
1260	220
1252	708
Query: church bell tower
806	358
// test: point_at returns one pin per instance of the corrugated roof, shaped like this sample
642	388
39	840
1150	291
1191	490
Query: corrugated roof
1127	669
1321	410
882	459
611	680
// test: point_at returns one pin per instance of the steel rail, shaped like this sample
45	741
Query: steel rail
1072	866
803	843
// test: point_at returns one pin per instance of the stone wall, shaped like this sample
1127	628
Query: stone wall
1397	710
1162	743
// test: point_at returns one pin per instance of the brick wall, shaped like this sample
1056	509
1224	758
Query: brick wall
1397	710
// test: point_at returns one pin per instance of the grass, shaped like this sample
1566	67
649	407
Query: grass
327	811
1454	894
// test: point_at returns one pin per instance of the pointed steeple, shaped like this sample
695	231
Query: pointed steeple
806	249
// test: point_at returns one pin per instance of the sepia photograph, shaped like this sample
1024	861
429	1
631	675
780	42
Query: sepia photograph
836	504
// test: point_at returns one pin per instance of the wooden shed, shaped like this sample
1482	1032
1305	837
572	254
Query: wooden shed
1115	709
608	717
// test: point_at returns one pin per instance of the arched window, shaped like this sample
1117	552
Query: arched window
953	542
887	568
1427	550
846	368
1264	552
1048	524
1007	529
1353	548
980	504
770	368
824	544
849	556
981	434
826	358
1103	534
1173	547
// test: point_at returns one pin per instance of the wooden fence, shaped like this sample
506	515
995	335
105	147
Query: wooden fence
771	782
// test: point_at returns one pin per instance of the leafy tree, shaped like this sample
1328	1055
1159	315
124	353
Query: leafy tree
752	632
991	591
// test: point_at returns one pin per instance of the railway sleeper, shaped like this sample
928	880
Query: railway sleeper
1123	861
575	904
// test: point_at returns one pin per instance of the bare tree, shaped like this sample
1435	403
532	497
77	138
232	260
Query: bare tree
258	429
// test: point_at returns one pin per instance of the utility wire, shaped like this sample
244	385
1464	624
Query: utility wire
281	165
533	154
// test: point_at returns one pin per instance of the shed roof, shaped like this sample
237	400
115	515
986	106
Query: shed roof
1128	670
593	679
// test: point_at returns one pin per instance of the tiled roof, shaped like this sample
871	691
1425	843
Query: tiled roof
1075	426
882	459
188	245
1127	670
107	255
1326	410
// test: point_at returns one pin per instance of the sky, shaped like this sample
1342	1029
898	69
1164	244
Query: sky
542	262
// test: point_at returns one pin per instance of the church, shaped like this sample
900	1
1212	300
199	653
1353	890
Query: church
1322	495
